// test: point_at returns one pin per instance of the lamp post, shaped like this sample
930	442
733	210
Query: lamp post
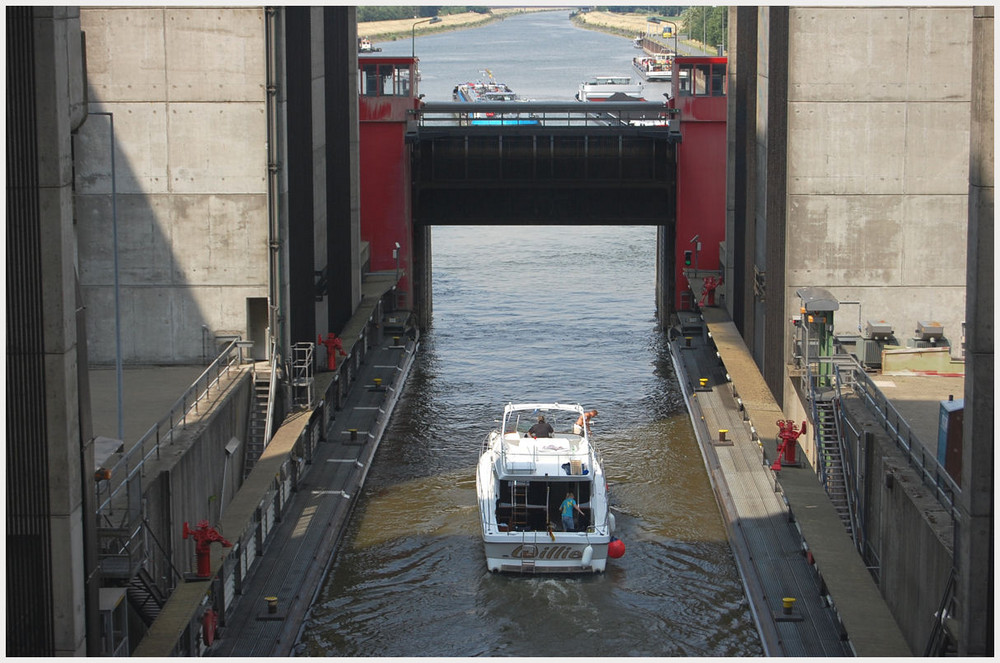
674	25
413	33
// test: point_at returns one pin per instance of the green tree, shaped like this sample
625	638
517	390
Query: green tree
705	24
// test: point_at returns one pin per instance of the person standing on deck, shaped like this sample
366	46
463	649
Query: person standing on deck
566	509
582	421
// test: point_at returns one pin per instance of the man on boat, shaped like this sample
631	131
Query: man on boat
541	429
584	420
566	510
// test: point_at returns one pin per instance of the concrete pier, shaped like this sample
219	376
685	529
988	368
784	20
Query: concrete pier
787	538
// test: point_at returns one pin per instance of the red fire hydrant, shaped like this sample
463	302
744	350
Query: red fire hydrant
204	537
708	291
788	434
334	346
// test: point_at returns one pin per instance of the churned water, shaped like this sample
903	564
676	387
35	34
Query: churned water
534	314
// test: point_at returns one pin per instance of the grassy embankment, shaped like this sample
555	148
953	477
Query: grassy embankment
405	29
625	25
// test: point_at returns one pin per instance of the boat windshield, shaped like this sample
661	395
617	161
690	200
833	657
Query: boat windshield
520	421
610	80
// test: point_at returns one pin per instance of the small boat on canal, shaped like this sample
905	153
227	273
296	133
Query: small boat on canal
610	88
490	90
543	494
655	68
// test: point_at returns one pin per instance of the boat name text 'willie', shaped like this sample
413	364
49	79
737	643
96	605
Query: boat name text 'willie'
548	552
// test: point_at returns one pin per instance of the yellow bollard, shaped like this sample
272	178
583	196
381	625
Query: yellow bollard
786	605
272	604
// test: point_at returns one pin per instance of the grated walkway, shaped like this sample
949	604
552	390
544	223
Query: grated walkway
785	534
294	564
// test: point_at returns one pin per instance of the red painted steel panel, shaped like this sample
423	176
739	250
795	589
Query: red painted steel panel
386	207
701	197
385	197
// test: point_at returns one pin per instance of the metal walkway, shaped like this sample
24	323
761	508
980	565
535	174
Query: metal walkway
295	562
788	540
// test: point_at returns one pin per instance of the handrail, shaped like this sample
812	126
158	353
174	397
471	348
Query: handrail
124	472
269	418
932	474
632	114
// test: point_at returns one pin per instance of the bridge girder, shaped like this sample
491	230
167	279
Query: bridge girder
522	175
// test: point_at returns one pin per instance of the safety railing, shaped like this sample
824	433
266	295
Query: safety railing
932	474
547	114
122	490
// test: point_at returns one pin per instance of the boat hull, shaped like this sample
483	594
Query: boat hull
536	552
521	483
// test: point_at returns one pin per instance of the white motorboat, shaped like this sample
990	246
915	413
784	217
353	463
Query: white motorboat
522	480
610	88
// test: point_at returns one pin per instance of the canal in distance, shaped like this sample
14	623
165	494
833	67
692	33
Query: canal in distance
533	314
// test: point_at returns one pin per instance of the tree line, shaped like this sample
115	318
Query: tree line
368	13
705	24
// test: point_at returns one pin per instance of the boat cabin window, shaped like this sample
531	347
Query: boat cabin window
384	80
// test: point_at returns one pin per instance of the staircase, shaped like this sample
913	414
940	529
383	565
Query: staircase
257	432
145	596
832	470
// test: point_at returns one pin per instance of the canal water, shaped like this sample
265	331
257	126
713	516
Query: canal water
534	314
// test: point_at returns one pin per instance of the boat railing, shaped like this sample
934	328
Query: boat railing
514	459
547	114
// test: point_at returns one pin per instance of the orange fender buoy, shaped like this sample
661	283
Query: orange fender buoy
616	548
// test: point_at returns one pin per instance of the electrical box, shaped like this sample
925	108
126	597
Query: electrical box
878	330
929	331
950	437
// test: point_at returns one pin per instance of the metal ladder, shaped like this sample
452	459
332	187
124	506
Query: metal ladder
519	504
832	459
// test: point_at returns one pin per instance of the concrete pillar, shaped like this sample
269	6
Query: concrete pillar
301	171
422	267
47	608
769	241
741	167
666	283
975	554
343	217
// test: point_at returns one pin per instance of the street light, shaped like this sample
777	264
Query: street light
674	25
413	33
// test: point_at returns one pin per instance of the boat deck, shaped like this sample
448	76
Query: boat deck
788	540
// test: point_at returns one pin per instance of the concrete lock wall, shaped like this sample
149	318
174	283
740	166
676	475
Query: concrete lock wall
186	87
199	484
907	530
878	163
